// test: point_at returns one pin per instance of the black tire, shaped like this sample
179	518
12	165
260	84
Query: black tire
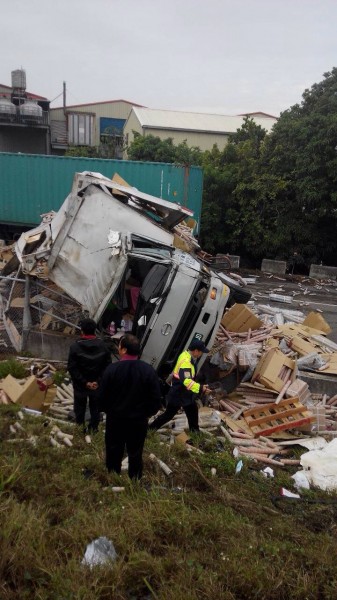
238	295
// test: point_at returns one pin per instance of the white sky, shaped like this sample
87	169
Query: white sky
219	56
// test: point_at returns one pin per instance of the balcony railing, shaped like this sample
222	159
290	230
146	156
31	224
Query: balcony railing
30	120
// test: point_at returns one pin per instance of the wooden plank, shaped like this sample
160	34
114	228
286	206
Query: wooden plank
238	425
251	411
272	418
276	416
280	427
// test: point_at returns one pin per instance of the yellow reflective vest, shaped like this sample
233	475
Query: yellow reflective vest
184	371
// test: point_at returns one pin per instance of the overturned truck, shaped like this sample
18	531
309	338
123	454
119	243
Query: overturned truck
117	255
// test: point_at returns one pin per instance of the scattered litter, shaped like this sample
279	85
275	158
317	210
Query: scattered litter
268	472
280	298
168	472
238	467
320	466
288	494
99	552
301	481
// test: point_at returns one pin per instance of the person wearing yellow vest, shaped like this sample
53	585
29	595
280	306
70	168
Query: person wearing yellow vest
184	389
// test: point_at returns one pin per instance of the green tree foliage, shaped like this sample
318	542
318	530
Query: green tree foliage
152	148
231	220
268	195
81	151
302	151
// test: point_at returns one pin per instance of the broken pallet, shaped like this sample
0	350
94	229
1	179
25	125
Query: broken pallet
271	418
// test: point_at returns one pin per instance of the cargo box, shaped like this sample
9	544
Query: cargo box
270	368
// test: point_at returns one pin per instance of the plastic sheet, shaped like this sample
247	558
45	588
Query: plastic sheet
99	552
320	466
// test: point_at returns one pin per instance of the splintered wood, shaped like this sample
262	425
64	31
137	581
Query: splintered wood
272	418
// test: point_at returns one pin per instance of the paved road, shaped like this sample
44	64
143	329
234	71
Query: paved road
308	294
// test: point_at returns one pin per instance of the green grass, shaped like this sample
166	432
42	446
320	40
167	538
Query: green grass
193	536
12	367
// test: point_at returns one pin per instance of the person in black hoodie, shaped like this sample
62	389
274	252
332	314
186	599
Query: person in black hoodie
88	358
129	395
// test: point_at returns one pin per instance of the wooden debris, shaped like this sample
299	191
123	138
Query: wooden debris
288	414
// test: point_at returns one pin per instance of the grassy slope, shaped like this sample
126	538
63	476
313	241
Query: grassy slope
194	536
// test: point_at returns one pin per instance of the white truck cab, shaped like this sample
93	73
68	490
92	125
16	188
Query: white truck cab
106	235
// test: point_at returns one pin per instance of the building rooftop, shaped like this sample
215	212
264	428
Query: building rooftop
6	90
96	104
189	121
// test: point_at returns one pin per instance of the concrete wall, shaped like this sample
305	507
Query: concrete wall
49	345
235	261
319	384
322	272
273	266
203	140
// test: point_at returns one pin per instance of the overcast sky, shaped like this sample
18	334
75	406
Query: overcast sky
218	56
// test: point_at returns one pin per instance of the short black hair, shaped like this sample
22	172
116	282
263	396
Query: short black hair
130	343
198	345
88	326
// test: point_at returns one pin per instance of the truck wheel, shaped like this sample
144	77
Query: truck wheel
238	295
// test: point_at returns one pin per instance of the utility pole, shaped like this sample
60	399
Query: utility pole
64	97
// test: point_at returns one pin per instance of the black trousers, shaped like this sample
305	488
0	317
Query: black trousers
191	411
129	434
80	406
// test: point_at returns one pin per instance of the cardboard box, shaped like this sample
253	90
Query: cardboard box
27	394
269	368
181	244
292	329
240	318
182	438
50	395
301	346
272	343
317	321
297	388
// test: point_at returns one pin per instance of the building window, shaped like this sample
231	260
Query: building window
80	129
111	135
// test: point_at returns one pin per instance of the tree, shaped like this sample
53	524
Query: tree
231	219
151	148
302	152
269	195
154	149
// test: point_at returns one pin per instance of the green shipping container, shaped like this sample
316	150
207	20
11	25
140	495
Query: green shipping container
33	184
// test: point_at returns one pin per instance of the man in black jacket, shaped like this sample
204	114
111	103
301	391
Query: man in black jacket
129	395
88	358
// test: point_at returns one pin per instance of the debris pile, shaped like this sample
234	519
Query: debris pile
51	310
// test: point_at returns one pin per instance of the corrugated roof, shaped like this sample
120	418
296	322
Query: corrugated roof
29	94
97	103
258	113
189	121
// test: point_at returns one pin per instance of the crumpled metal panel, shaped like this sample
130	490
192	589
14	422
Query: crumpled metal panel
93	288
85	265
